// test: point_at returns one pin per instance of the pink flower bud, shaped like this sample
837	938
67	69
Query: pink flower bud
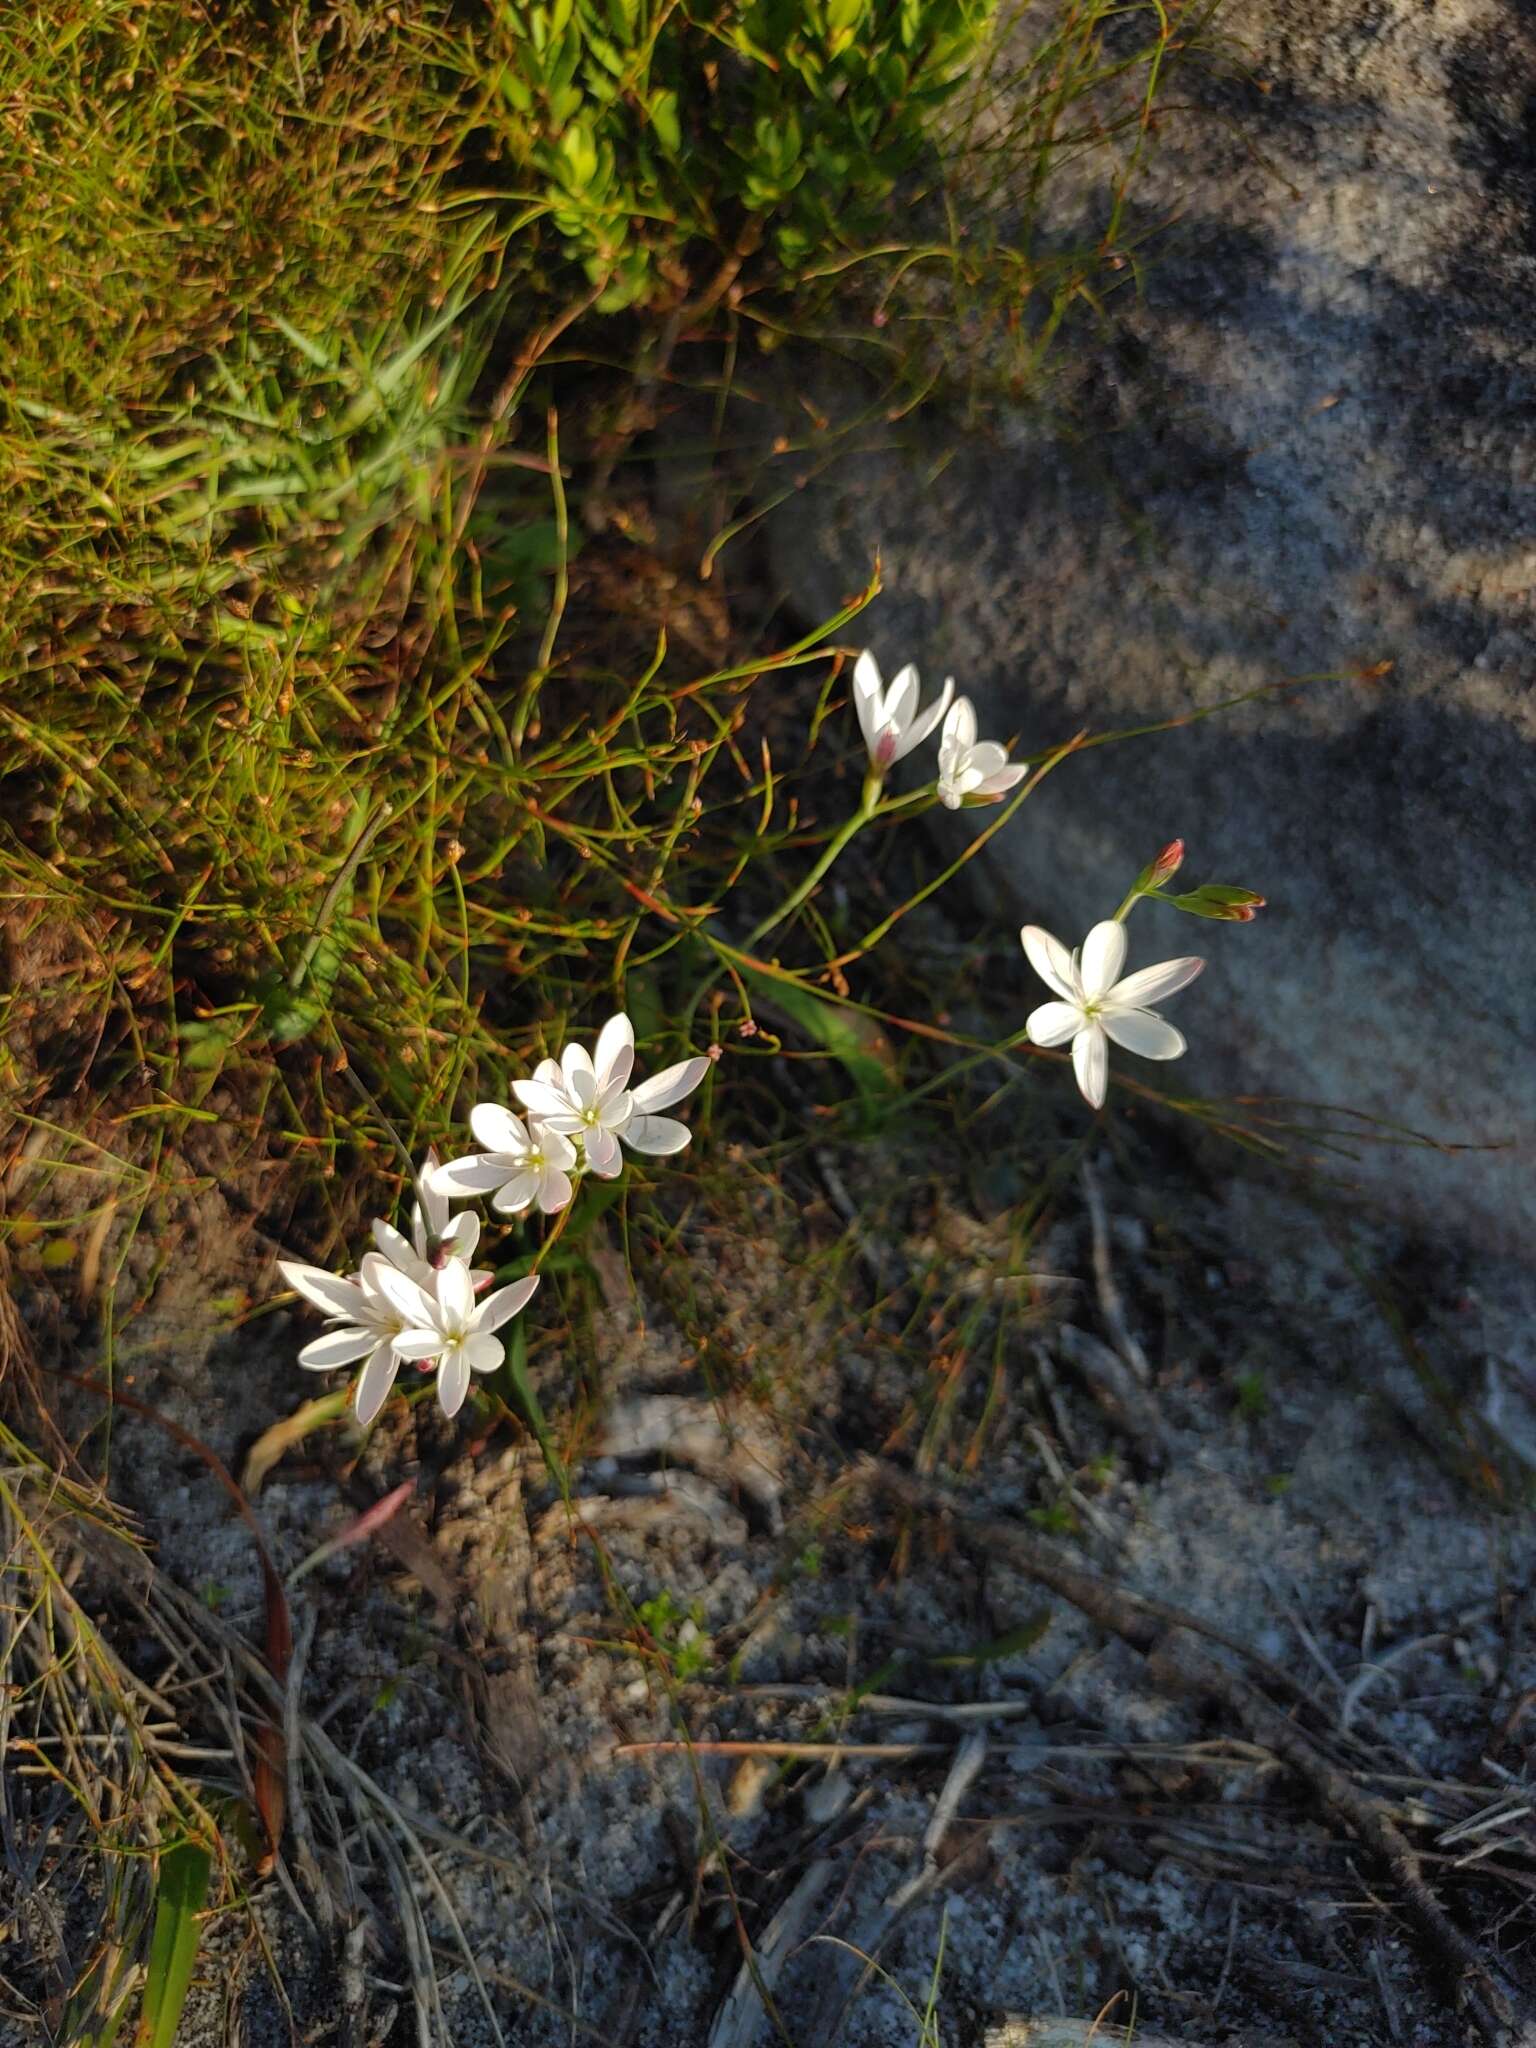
1167	864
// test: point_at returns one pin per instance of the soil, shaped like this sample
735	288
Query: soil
1311	1467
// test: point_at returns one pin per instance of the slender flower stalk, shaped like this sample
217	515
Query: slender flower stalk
892	727
869	801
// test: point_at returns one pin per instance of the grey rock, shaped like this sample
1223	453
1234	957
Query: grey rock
1309	444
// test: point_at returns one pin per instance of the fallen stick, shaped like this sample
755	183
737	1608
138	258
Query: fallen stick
1015	2032
1483	1992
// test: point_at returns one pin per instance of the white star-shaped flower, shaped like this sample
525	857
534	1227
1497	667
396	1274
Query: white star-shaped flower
586	1097
445	1323
522	1166
980	771
365	1324
889	719
1095	1005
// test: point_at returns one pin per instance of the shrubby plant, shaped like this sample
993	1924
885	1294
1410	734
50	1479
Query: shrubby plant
806	112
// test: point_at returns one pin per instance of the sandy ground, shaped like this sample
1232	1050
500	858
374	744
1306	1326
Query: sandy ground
1047	1832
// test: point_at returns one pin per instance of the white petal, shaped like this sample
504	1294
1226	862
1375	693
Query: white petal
555	1190
462	1235
988	758
670	1085
1053	1023
375	1381
337	1297
1142	1032
615	1111
482	1354
402	1294
603	1154
497	1129
1103	957
994	786
658	1135
579	1074
960	725
394	1247
1151	984
868	697
418	1344
951	793
455	1295
1050	960
568	1124
544	1100
921	726
432	1205
514	1195
615	1054
477	1173
901	703
1090	1062
336	1347
555	1146
505	1303
453	1380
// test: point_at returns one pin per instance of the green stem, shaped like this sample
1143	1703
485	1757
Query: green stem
869	802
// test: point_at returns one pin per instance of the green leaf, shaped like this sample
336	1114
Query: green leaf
207	1043
289	1013
578	157
180	1890
854	1040
665	122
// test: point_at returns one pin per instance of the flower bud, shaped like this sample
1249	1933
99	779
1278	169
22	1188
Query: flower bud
1167	864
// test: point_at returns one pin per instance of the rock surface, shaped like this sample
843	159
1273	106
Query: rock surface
1309	445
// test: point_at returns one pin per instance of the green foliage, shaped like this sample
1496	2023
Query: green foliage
677	1635
663	140
180	1890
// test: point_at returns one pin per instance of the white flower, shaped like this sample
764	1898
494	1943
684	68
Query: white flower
444	1323
586	1097
967	769
522	1164
662	1135
434	1234
365	1324
1096	1005
889	719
